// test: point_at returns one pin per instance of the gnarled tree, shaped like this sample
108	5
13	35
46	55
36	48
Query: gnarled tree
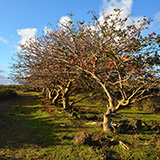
110	54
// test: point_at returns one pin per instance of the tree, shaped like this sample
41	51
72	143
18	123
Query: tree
35	66
113	56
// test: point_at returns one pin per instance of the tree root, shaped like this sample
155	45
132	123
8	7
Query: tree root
121	143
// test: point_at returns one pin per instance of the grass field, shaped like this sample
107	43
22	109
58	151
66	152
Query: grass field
32	129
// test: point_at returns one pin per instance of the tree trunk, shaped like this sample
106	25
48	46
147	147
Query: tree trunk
46	93
55	99
65	95
107	121
49	93
43	90
65	102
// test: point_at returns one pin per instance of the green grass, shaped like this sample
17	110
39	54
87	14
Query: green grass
30	130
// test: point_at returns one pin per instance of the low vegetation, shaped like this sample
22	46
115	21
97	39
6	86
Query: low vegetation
6	93
31	128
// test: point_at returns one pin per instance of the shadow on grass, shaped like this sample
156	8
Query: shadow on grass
21	125
145	113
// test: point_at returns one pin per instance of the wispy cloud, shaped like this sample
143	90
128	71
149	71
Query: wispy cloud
3	65
3	40
156	21
1	71
157	17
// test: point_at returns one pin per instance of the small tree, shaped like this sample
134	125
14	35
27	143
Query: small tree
37	67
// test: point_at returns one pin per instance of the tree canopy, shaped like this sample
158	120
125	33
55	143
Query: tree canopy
110	54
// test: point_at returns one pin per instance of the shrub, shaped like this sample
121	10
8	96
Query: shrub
6	93
28	89
150	104
14	87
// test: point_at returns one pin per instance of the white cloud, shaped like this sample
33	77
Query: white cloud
126	9
125	5
26	34
3	78
3	40
155	24
64	21
46	30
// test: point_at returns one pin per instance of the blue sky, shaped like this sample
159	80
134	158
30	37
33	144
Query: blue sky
21	19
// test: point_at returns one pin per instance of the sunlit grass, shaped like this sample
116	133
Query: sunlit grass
31	131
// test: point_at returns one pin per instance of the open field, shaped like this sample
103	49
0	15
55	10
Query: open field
30	128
